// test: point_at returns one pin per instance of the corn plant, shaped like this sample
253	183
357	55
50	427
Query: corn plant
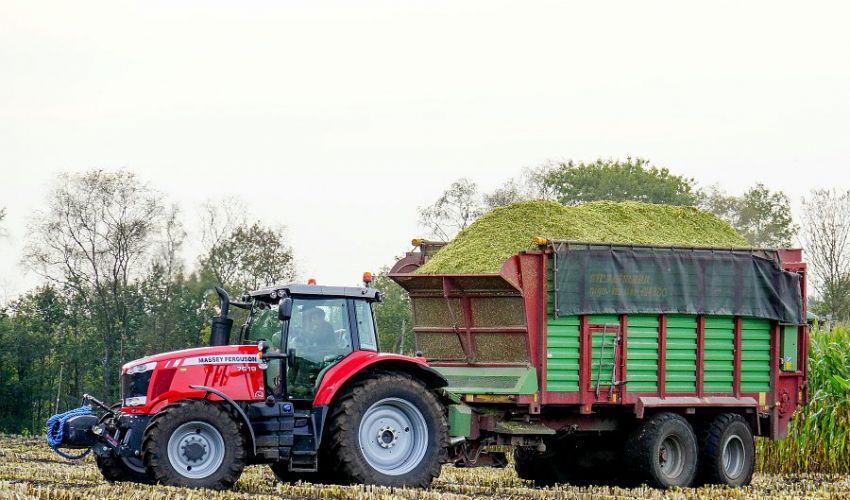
819	436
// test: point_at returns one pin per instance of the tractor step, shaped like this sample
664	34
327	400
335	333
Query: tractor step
303	461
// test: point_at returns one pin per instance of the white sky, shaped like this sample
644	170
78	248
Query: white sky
339	119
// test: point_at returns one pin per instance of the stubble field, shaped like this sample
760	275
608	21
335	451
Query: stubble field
29	469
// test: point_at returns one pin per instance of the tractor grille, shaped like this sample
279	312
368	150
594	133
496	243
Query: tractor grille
135	385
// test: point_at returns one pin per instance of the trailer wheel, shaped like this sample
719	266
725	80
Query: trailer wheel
727	451
195	443
388	429
663	451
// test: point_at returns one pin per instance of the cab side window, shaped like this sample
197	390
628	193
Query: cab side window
365	325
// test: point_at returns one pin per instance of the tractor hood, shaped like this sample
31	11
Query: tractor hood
218	355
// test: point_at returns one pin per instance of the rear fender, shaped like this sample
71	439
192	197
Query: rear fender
358	362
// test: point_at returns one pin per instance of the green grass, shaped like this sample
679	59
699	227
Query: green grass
488	242
819	435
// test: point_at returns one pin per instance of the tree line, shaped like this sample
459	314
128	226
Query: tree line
116	286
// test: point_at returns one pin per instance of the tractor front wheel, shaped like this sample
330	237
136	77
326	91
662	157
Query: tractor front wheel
195	443
388	429
121	469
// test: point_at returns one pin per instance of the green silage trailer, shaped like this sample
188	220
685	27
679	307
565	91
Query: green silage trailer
616	363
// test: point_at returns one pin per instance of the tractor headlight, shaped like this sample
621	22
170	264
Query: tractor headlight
137	401
141	368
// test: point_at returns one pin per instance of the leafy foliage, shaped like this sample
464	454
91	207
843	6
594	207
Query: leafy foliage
819	436
761	216
393	316
614	180
250	257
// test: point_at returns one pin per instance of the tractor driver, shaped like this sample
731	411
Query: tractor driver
317	330
319	347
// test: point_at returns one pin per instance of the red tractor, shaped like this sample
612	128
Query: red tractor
305	390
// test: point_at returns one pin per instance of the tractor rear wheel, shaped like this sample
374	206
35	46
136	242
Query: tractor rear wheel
727	451
195	443
388	429
662	451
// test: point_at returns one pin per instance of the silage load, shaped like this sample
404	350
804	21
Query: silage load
488	242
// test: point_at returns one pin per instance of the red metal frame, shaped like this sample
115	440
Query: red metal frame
662	355
736	370
622	378
700	374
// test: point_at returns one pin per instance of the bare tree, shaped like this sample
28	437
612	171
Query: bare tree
532	184
219	218
455	209
826	239
94	237
535	182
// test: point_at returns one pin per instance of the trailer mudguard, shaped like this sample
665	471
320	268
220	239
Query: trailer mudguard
357	361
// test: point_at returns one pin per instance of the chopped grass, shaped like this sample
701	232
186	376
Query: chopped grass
488	242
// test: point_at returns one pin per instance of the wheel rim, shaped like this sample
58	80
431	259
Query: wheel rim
196	450
671	457
733	457
393	436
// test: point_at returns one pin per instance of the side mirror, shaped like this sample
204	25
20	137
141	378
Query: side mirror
284	310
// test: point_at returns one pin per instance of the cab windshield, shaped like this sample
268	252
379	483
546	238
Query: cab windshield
263	324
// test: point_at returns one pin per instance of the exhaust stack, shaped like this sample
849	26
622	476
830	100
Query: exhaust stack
221	324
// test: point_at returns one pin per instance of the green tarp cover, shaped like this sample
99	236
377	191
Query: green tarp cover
613	279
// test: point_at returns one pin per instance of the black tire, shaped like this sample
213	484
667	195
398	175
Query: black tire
348	411
662	451
727	451
118	470
115	470
181	417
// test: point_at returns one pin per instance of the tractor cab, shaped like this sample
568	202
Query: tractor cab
308	329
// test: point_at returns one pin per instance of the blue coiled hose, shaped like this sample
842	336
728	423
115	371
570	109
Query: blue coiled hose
56	430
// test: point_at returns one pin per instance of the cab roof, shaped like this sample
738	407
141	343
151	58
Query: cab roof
327	291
